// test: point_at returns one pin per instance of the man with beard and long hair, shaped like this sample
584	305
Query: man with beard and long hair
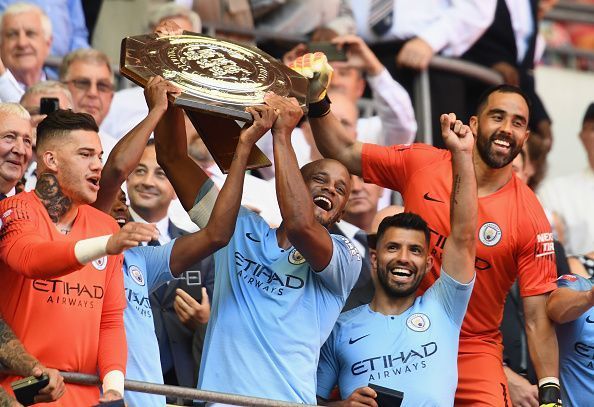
401	341
515	239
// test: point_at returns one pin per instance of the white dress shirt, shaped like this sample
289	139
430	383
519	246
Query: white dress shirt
571	197
520	13
162	226
450	26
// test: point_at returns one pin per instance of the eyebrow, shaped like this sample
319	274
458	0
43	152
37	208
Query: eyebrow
503	112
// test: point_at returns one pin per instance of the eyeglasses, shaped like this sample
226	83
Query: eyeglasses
85	85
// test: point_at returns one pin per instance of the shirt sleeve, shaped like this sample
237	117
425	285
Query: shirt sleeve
459	26
537	270
394	108
390	167
341	274
573	281
25	250
157	264
452	295
328	368
113	350
80	34
10	90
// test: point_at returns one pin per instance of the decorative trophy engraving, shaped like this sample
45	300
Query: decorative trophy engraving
218	79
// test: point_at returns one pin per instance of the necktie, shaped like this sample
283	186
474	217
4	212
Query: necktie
381	13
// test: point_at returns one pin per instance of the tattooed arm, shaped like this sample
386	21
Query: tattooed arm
13	354
7	401
460	246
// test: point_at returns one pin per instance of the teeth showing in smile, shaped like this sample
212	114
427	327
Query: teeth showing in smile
323	202
502	143
121	221
401	272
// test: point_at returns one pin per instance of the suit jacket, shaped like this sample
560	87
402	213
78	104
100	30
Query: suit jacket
362	292
498	44
185	345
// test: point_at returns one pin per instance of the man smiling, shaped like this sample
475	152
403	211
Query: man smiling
423	330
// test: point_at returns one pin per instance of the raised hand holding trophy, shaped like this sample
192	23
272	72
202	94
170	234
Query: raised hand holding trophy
218	80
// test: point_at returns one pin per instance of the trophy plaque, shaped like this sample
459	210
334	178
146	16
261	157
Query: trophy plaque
218	79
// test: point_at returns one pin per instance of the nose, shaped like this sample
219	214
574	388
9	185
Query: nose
22	39
356	183
506	126
96	163
19	147
93	91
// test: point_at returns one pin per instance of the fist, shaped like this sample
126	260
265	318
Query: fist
316	68
456	135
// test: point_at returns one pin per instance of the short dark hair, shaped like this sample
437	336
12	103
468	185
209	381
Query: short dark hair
589	114
503	89
404	220
62	122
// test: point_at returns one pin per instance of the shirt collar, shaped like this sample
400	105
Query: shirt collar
162	225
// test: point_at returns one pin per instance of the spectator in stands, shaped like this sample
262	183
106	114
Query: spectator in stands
31	101
352	356
25	40
146	267
61	264
68	23
15	357
501	128
16	145
408	33
128	107
569	196
509	47
89	77
296	275
571	307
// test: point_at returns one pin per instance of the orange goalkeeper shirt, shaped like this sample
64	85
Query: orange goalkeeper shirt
514	238
67	315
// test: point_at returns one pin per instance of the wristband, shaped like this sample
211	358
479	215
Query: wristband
91	249
319	109
114	380
549	392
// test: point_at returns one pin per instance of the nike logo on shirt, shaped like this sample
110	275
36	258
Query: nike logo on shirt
253	239
428	198
351	340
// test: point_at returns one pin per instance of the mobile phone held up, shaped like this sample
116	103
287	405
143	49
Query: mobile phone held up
26	389
48	105
330	50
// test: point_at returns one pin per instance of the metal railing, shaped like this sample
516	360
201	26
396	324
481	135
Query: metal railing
571	12
185	393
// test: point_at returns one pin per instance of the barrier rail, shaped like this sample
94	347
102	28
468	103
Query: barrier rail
179	392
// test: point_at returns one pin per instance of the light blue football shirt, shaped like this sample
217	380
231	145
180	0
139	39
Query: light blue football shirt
576	350
145	268
415	352
271	314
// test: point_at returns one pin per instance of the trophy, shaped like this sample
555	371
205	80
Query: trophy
218	80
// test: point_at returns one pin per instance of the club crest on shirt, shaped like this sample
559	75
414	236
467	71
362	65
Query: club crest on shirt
296	258
490	234
136	275
100	263
418	322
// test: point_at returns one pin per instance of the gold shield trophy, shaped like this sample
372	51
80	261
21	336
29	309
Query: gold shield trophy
218	79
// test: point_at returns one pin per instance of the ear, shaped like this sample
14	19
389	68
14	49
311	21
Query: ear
50	160
361	86
473	124
526	136
429	264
